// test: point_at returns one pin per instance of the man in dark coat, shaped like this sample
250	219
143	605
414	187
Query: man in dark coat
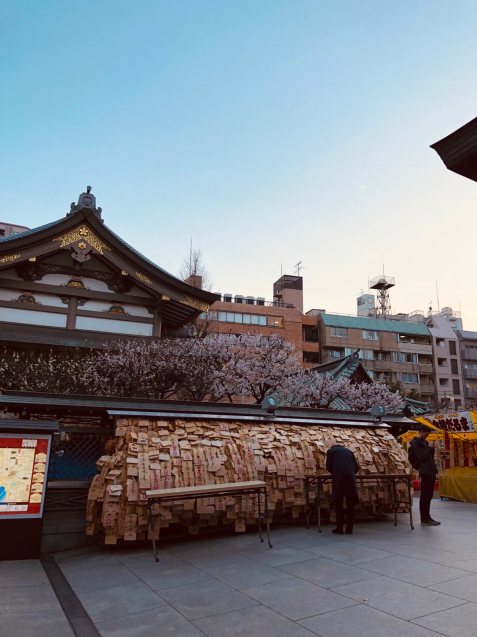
342	465
423	452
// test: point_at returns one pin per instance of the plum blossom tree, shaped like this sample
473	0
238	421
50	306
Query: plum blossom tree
365	395
217	367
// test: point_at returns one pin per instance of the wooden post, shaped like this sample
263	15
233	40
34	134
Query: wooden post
156	327
71	318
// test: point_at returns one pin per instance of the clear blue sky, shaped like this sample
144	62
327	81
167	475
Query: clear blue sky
268	131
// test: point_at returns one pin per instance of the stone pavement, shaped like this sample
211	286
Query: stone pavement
382	581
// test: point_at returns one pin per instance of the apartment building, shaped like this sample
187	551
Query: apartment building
283	316
390	350
468	355
446	361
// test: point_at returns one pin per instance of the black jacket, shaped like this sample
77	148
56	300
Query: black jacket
425	456
342	465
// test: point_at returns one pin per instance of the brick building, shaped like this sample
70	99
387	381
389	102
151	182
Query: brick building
237	314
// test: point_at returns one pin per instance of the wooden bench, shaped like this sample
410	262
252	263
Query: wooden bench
160	496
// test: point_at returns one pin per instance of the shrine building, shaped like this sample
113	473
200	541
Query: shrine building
73	282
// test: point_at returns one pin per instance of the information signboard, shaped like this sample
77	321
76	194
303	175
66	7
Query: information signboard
23	473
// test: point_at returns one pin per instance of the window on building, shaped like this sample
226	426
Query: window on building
275	321
454	366
383	356
410	378
247	319
440	342
444	382
442	362
404	357
452	348
382	377
366	354
370	335
311	357
348	351
455	386
340	332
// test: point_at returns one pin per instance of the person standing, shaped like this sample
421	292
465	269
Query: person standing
422	455
342	465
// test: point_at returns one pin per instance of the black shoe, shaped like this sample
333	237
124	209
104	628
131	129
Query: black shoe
349	531
337	531
434	522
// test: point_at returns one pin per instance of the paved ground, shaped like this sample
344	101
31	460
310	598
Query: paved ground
383	581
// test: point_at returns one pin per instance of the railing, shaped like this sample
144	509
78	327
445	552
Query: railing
255	301
469	354
469	373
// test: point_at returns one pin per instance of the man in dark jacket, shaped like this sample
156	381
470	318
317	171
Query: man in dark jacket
342	465
424	454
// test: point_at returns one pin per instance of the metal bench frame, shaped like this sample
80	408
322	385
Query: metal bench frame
219	490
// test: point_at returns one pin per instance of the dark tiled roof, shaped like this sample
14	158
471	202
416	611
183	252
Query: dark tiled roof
32	231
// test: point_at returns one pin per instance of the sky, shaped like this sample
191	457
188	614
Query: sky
267	132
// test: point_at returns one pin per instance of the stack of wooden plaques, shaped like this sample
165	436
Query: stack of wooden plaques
157	454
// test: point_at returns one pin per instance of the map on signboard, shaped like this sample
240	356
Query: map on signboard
16	471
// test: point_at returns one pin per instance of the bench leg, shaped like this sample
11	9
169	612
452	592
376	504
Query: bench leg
307	504
151	523
318	508
410	503
396	505
266	515
259	516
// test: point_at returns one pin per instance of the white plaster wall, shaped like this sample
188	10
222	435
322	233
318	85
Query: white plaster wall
100	306
30	317
111	325
44	299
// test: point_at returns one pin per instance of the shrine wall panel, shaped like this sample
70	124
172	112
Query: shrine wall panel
30	317
111	325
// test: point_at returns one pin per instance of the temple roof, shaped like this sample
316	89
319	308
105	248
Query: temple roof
83	226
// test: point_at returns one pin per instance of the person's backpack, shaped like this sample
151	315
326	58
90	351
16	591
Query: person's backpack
412	458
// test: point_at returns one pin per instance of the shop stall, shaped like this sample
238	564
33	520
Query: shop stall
456	452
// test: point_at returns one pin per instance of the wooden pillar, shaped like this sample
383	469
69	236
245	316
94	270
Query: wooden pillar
156	327
71	318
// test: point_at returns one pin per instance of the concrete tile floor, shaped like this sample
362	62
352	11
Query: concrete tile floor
382	581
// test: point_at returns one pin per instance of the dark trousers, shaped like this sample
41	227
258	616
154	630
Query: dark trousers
350	505
427	491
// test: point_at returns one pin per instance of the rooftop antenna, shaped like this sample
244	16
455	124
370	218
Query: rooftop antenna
437	292
383	283
298	267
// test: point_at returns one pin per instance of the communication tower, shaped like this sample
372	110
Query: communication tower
383	284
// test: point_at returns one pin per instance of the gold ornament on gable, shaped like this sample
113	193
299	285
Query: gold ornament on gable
83	234
10	257
198	305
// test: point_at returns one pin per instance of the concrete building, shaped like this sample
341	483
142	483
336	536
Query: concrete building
446	361
468	355
390	350
7	229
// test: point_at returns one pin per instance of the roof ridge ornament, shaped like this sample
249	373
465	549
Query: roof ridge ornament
86	200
